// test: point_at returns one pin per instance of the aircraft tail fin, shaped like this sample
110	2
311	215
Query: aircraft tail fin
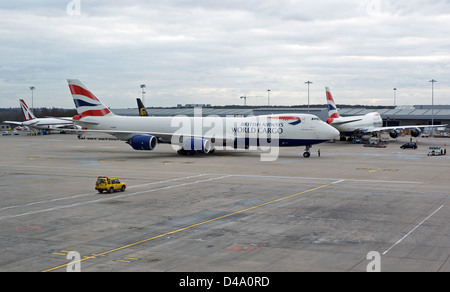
142	111
26	112
86	102
332	108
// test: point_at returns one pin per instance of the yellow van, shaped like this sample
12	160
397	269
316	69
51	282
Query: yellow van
109	184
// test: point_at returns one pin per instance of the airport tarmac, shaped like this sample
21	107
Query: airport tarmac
228	211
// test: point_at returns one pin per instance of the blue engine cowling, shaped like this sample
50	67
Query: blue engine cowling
143	142
394	133
416	132
197	145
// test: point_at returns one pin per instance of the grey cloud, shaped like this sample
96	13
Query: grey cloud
211	51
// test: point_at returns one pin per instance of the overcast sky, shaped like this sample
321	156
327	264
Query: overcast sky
216	51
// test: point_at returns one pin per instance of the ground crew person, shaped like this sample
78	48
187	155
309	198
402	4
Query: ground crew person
318	152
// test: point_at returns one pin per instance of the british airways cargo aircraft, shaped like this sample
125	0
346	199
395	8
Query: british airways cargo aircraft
190	135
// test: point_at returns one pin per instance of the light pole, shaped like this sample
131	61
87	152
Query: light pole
268	96
142	87
395	95
32	88
308	82
432	104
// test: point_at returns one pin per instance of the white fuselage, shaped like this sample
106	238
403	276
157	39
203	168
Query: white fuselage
349	125
47	123
288	129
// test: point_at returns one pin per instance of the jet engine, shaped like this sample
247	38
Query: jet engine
143	142
394	133
416	132
197	145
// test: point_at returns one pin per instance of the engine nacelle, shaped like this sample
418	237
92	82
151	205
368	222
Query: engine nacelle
143	142
416	132
197	145
394	133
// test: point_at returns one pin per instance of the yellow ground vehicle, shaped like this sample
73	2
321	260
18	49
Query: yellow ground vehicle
109	184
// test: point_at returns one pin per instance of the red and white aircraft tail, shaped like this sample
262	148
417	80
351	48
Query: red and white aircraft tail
26	112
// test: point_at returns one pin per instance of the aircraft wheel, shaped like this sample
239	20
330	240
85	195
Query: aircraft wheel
306	154
182	152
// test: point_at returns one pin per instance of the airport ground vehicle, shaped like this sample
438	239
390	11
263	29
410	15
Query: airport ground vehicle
436	150
412	145
376	142
109	184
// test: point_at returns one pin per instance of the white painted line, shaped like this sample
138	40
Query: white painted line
339	181
93	193
110	198
412	230
322	178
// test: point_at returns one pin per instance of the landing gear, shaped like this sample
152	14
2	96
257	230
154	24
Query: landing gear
307	154
183	152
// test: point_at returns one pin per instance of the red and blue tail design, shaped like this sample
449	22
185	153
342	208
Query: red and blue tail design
332	109
85	101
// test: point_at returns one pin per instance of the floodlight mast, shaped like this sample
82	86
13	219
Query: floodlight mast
308	82
32	88
143	92
432	103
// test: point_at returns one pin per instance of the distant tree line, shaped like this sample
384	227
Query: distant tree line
15	114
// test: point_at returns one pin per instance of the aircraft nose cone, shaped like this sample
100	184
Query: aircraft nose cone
335	132
332	132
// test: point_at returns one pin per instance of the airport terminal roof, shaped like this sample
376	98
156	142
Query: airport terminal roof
417	112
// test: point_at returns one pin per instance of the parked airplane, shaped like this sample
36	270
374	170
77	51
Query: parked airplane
199	134
42	123
369	123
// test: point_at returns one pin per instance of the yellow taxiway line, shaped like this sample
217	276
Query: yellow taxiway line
94	256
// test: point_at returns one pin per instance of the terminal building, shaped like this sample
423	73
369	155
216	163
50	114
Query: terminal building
392	116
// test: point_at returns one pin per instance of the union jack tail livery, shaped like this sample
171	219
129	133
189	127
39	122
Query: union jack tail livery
86	102
26	112
332	109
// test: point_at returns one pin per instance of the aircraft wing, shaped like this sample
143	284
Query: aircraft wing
166	137
346	122
13	123
85	123
378	129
